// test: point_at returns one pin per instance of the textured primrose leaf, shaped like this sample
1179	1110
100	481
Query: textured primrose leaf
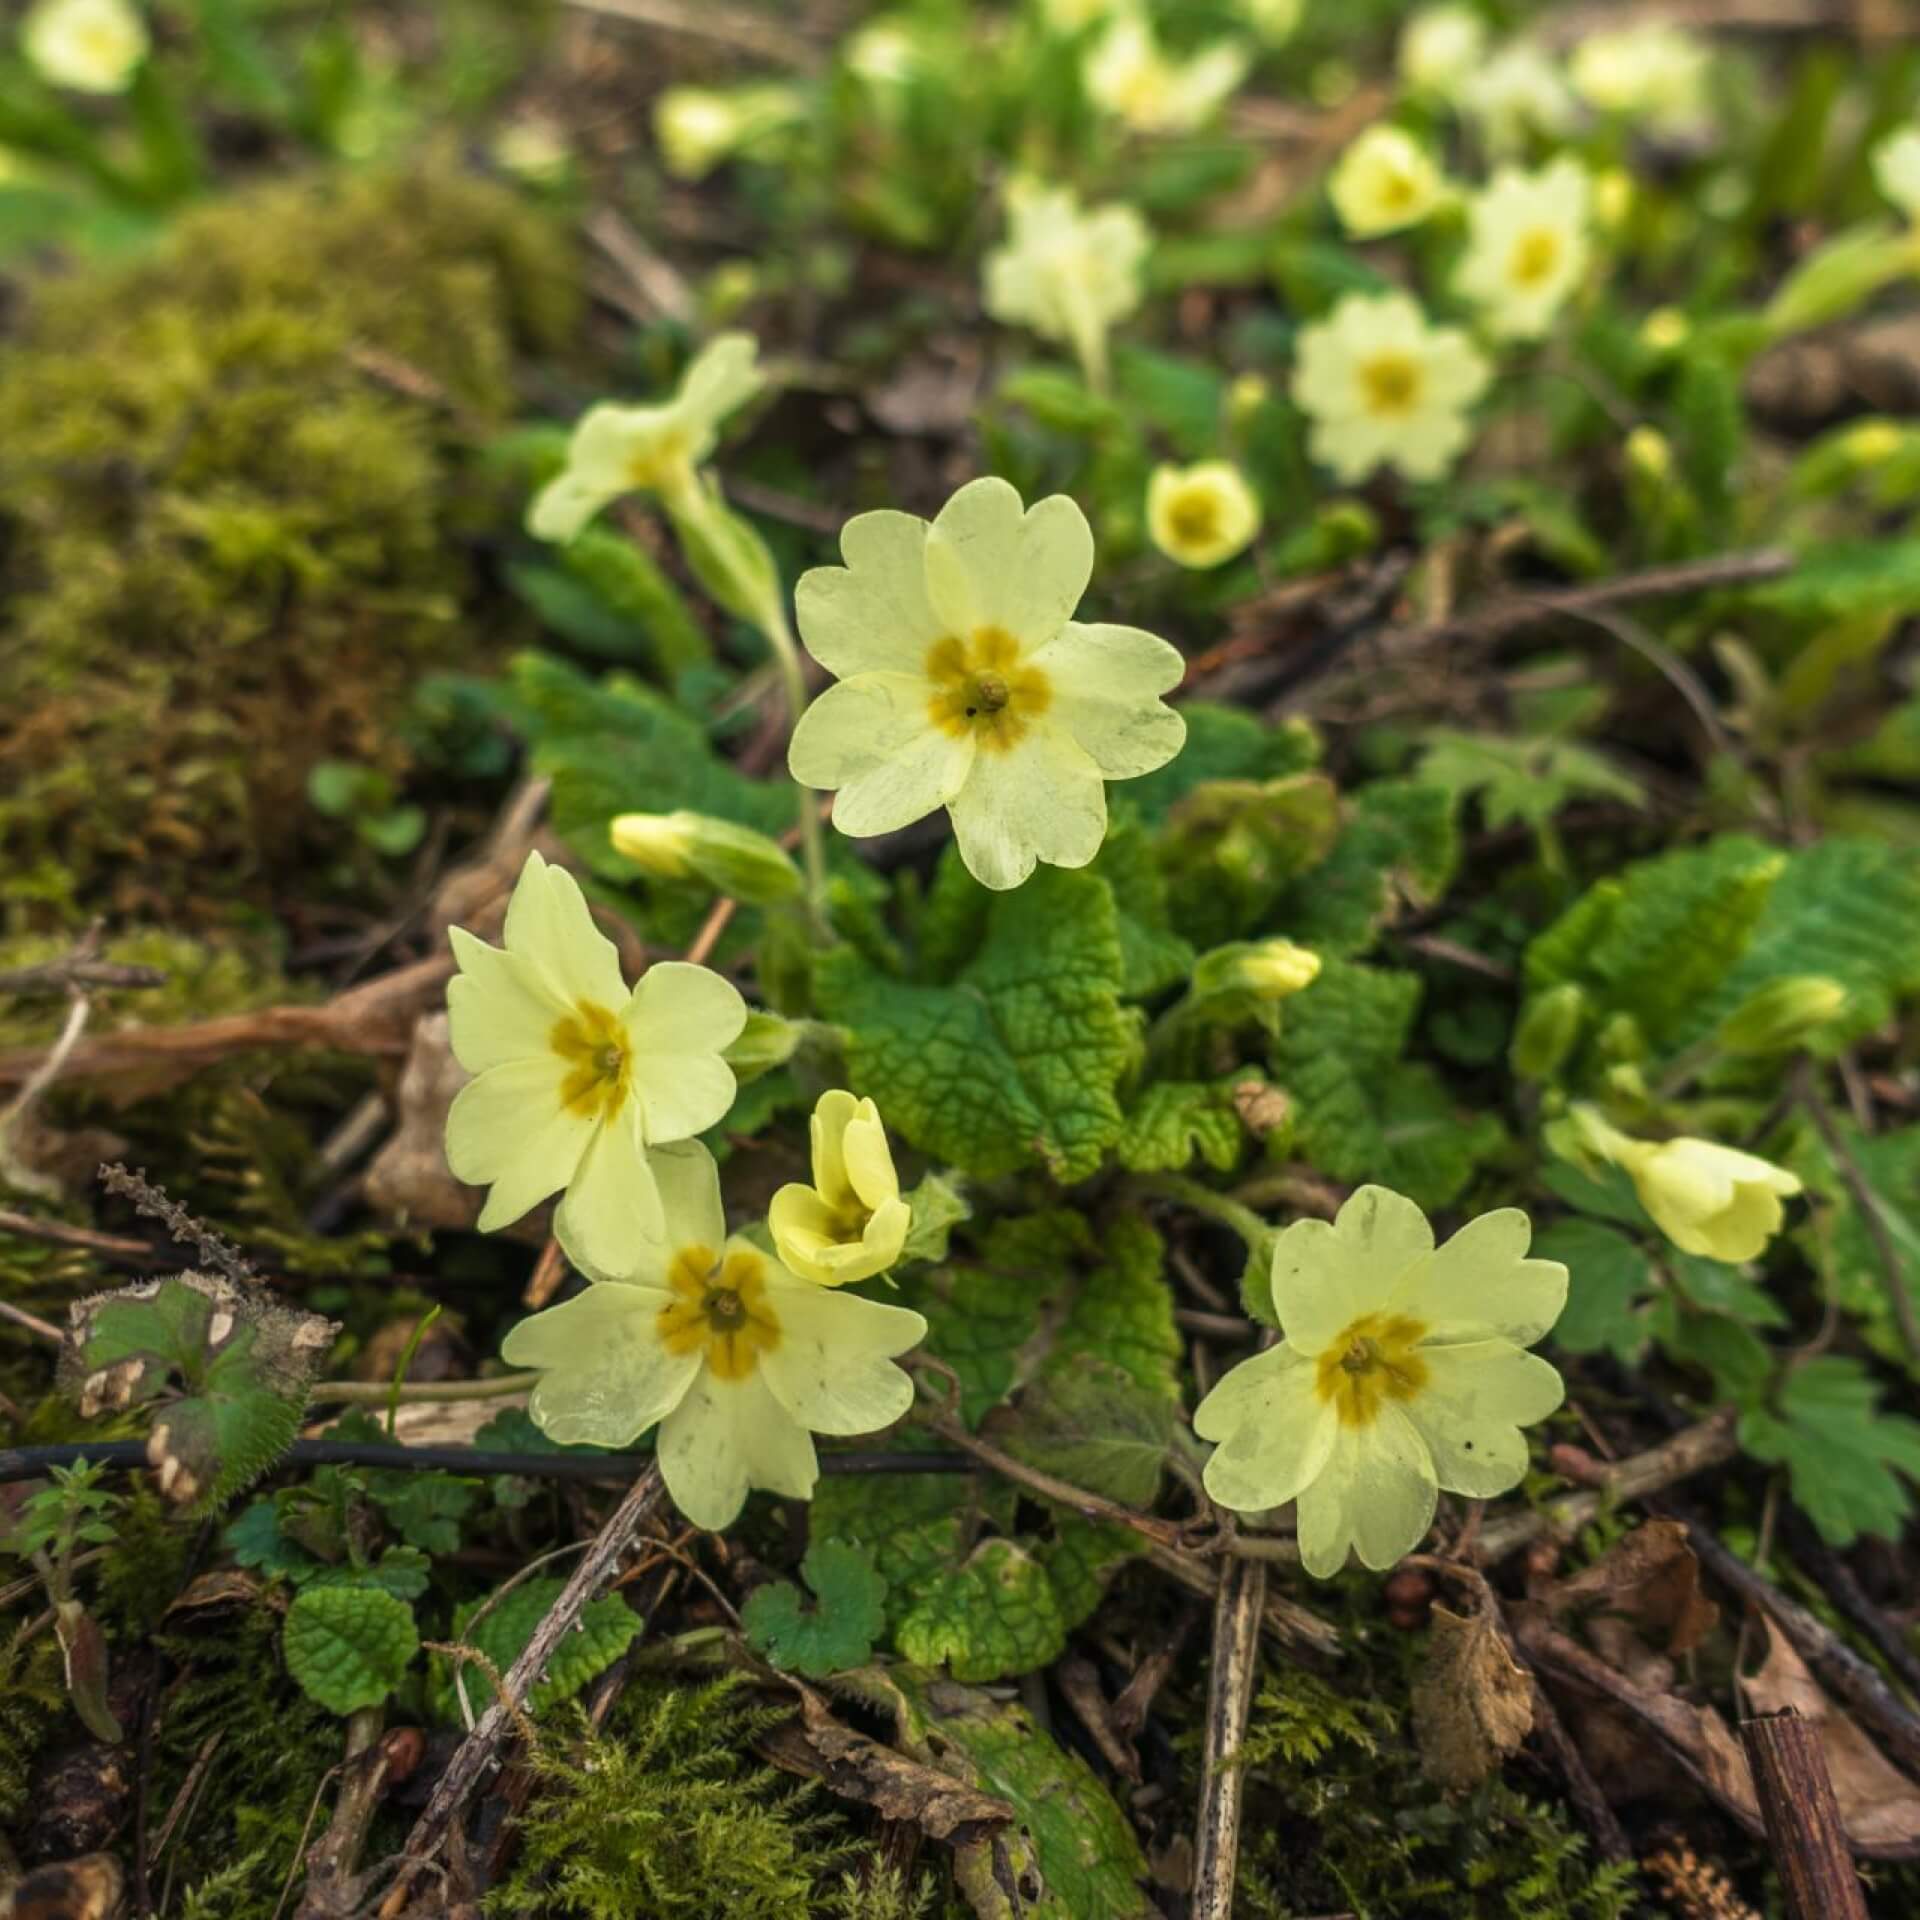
1399	847
1890	1164
1072	1855
1081	1558
349	1647
1016	1063
1172	1121
403	1572
1362	1112
1660	939
1845	1455
996	1613
1091	1423
1223	743
833	1632
225	1369
1848	909
604	1632
1123	1313
978	1317
938	1205
1152	956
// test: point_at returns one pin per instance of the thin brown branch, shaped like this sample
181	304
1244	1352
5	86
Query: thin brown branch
59	1233
1789	1761
1231	1672
476	1754
1695	1449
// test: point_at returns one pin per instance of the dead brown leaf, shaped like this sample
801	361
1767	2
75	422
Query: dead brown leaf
1879	1805
859	1768
1473	1702
1650	1576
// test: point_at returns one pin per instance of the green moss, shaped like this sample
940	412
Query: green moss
671	1814
232	502
33	1700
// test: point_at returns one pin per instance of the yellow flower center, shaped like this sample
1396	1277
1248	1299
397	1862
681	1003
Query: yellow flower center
1375	1358
653	466
981	687
1397	191
599	1060
719	1310
1535	256
1194	518
1390	382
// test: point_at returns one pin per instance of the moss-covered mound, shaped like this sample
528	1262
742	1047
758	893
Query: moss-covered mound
234	485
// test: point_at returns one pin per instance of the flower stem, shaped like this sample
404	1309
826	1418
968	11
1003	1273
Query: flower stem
813	851
1197	1198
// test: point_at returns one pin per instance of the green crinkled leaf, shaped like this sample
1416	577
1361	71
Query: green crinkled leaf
1848	909
909	1524
1223	743
1172	1121
1016	1063
254	1538
996	1613
613	745
1400	846
403	1572
938	1206
837	1630
425	1509
977	1319
1081	1558
1091	1423
349	1647
1845	578
1077	1858
1363	1113
1152	956
1528	781
1609	1277
605	1630
1843	1452
1123	1312
1660	939
225	1369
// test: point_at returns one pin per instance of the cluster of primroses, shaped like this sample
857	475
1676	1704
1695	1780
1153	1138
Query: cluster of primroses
964	681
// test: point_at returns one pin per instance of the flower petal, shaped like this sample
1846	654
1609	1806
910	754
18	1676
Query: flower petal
1106	684
991	565
508	1130
1041	801
874	738
680	1202
1376	1494
866	1159
723	375
565	505
608	1376
1326	1275
1471	1407
826	1132
551	928
873	614
611	1221
832	1368
1481	1284
499	1006
1275	1432
680	1017
727	1436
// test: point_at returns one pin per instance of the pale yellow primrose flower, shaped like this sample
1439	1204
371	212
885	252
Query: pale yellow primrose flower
576	1079
1896	170
740	1361
1066	273
851	1223
1441	47
1202	515
698	128
1527	246
92	46
1707	1199
1402	1373
966	683
1131	76
1384	181
1653	72
1518	92
659	449
1383	387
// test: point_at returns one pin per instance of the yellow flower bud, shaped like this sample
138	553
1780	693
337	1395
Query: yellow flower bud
694	846
1273	969
1248	394
1784	1015
1665	330
1201	516
1649	453
851	1223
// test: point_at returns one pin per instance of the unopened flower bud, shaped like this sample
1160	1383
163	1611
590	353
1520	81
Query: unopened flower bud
695	846
1268	969
1548	1031
1784	1015
765	1042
